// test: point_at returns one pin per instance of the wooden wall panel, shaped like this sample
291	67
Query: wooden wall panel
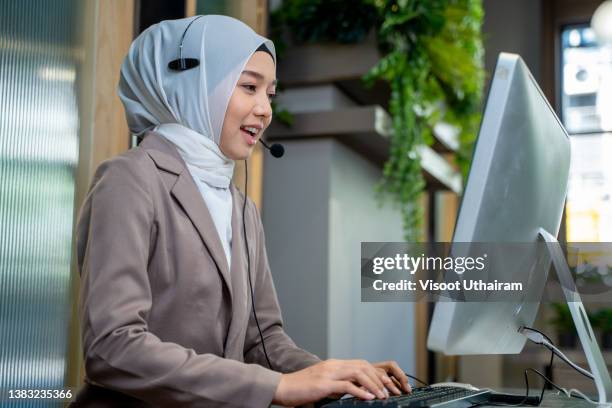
106	32
114	36
190	8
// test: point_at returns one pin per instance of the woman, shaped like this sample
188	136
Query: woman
168	281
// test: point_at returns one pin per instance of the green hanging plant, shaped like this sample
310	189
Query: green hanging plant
434	66
433	63
282	115
321	21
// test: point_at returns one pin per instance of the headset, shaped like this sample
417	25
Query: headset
276	150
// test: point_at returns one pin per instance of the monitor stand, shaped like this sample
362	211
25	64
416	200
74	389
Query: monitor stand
596	361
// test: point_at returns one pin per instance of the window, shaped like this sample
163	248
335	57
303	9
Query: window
586	111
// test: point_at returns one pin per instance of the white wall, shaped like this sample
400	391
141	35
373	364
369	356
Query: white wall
374	331
319	205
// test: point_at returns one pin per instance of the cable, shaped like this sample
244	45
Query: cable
525	398
550	364
540	338
526	394
547	380
587	399
416	379
246	243
564	391
183	36
552	356
571	363
522	328
568	393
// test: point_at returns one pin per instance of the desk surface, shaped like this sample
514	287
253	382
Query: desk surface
552	399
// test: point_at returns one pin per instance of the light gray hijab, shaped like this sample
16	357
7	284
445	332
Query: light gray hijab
188	107
195	99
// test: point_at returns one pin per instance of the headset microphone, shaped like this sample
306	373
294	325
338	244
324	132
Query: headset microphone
277	150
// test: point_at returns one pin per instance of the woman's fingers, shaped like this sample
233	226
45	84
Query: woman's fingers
379	379
361	372
333	377
394	369
398	373
388	382
373	373
397	383
347	387
369	383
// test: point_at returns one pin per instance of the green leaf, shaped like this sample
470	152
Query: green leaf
433	62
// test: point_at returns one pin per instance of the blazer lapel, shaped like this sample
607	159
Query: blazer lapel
241	294
187	194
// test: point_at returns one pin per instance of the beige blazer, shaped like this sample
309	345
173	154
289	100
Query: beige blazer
163	318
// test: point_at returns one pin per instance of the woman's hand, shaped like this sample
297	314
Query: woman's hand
390	369
337	377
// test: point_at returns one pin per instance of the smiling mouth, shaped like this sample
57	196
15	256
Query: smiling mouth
252	130
250	135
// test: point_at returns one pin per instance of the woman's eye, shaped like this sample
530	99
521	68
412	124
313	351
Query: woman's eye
253	88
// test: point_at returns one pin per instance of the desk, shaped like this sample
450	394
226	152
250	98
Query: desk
562	373
552	399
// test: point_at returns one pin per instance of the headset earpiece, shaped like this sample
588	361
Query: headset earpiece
183	64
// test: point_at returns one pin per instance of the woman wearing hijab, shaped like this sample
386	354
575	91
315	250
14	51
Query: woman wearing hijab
177	304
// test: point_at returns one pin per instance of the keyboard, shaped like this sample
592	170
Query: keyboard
433	397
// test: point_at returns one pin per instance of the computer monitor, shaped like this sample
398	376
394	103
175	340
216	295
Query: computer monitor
516	185
515	193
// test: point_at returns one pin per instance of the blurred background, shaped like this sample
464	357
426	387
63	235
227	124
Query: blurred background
379	105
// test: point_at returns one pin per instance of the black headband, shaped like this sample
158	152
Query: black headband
263	48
